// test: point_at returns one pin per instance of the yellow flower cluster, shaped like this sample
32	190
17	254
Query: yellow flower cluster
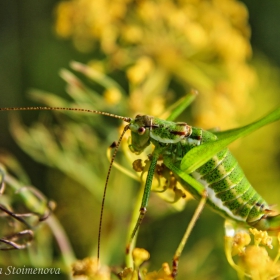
254	260
89	269
139	257
202	44
85	19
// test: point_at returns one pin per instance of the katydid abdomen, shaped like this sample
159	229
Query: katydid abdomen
229	191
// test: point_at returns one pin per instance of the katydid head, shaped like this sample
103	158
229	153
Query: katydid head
146	129
140	133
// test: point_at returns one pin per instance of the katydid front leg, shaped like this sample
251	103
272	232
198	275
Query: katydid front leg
145	198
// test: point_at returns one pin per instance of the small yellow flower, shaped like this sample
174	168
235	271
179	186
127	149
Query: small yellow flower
240	241
258	264
90	269
137	73
262	237
163	274
132	34
128	274
64	27
139	255
112	96
253	261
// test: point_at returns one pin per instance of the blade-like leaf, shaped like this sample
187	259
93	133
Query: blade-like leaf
199	155
197	187
96	76
178	107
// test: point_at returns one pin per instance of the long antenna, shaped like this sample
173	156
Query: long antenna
105	188
126	119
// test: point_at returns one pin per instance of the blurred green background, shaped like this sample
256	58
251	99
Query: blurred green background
31	55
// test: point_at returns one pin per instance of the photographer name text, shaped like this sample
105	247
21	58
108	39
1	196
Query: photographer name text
10	270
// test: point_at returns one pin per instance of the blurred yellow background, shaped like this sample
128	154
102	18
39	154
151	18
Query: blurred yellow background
154	52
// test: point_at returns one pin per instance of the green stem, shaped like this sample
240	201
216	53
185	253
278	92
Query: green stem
67	252
133	221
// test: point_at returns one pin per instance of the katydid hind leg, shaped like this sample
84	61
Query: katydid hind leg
200	191
187	233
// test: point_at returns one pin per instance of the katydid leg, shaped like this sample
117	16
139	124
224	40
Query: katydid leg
200	190
145	198
187	234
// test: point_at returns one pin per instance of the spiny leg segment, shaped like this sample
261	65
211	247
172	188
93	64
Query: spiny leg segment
187	234
145	198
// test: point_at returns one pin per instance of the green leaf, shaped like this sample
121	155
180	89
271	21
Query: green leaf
178	107
96	76
199	155
198	188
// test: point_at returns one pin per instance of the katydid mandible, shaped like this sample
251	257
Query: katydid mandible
218	181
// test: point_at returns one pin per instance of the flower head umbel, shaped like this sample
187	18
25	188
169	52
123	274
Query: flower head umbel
199	43
253	261
139	257
90	269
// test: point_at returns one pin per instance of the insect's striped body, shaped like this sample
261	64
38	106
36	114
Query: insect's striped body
228	190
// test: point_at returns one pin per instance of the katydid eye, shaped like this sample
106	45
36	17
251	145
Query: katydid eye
141	130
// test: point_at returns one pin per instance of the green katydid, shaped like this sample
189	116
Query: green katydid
200	160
